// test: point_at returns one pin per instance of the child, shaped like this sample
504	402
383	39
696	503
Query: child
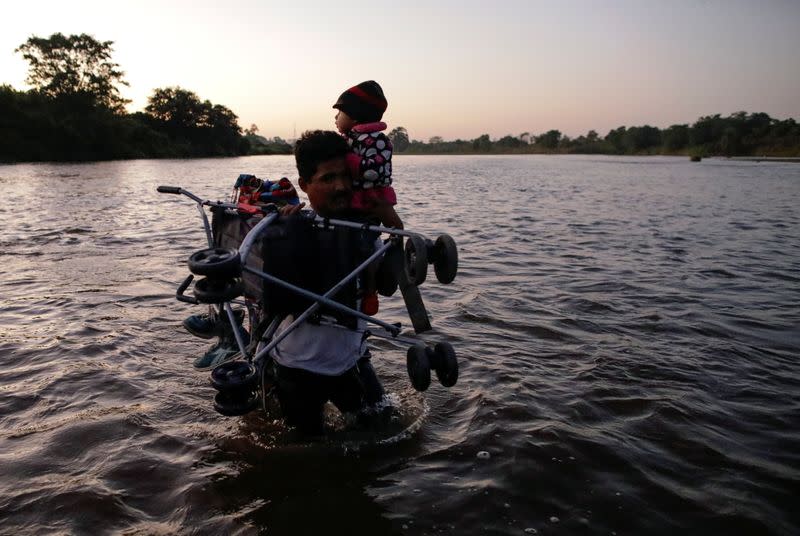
370	162
359	120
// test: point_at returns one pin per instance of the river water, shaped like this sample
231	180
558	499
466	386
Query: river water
628	331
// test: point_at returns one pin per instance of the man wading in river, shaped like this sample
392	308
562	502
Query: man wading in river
316	362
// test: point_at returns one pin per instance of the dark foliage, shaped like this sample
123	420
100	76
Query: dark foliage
69	65
262	145
75	112
740	134
72	127
199	127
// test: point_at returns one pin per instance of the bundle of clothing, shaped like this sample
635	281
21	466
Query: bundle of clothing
250	190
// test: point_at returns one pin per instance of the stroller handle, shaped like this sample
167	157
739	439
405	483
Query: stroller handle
182	288
168	189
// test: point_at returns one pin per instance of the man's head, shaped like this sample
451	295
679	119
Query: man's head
321	163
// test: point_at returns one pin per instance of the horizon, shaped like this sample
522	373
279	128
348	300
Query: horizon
453	70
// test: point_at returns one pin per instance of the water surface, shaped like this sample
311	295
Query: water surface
627	330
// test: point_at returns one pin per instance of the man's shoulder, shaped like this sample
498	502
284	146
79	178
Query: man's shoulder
308	224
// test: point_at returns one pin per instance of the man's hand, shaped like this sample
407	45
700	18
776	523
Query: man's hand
288	210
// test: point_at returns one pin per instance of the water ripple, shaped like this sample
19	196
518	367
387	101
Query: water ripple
626	330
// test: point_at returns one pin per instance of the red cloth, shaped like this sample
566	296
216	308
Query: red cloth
366	199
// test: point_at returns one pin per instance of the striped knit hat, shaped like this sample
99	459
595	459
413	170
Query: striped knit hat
364	103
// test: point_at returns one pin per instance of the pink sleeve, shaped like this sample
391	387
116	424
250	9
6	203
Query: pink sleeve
353	165
386	194
366	199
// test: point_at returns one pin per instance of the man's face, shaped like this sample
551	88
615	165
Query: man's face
330	189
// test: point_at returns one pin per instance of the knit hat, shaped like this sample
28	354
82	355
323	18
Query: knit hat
365	102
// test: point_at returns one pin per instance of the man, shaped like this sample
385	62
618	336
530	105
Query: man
320	155
317	362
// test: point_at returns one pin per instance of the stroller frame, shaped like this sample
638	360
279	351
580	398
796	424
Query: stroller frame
257	352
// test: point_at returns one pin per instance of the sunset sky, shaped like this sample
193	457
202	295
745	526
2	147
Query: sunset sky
456	69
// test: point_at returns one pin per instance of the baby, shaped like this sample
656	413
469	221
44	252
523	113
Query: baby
360	110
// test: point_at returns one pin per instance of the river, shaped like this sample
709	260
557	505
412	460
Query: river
628	331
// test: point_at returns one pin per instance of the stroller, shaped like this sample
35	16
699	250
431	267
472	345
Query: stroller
252	259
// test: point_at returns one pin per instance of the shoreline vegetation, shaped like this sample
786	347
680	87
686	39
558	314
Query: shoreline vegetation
754	136
74	112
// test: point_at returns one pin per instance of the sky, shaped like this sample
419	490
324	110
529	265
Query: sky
455	69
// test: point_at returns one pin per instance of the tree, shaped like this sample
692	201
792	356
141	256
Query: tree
482	143
549	139
74	65
706	130
615	139
399	139
209	129
183	109
637	139
730	143
509	142
176	107
220	118
675	137
435	140
252	131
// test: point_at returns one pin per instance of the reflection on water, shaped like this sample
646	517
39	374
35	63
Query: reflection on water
626	328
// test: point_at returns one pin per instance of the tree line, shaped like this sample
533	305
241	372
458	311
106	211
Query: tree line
75	112
739	134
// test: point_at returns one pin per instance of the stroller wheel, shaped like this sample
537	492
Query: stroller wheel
385	280
217	291
445	255
445	363
234	376
230	405
215	262
419	367
416	260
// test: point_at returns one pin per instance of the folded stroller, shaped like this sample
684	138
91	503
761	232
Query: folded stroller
270	264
